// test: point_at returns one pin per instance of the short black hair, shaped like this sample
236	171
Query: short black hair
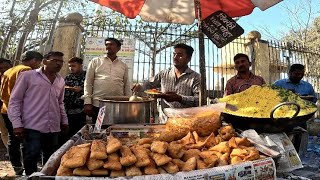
188	49
75	60
29	55
114	40
240	55
4	60
53	53
295	67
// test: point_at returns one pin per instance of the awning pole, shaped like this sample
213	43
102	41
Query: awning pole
202	61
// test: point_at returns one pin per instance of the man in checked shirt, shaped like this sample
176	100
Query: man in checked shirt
179	85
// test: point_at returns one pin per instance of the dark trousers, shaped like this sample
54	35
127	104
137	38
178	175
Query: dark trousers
34	143
13	144
76	122
95	114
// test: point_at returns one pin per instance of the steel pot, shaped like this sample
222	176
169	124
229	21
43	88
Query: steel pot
119	110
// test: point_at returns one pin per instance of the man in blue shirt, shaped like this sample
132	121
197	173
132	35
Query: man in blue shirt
296	84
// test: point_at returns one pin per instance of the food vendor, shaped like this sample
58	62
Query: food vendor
295	83
244	78
179	85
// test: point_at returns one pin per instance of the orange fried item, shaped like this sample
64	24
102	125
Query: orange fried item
161	159
190	164
176	150
113	162
191	153
98	150
222	147
242	153
141	155
243	141
133	171
119	173
236	160
178	162
161	170
127	157
188	139
113	145
145	141
93	164
159	147
81	171
201	164
209	157
170	167
224	159
76	156
227	132
151	168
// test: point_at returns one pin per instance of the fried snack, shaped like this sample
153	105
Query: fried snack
170	167
222	147
243	141
113	145
159	147
190	164
227	132
191	153
204	123
166	136
81	171
161	159
223	160
63	171
146	146
127	157
209	158
236	160
178	162
218	139
201	164
133	171
93	164
188	139
242	153
115	173
253	155
175	150
218	154
161	170
210	141
113	162
151	168
232	143
145	141
76	156
141	155
98	150
100	172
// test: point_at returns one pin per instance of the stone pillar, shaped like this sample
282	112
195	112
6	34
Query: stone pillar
264	58
67	38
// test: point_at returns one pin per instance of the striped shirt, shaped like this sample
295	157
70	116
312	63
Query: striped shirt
237	84
187	86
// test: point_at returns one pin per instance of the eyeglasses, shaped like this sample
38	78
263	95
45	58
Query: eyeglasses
57	61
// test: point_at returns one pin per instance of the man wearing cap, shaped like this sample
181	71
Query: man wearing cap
244	78
106	76
30	60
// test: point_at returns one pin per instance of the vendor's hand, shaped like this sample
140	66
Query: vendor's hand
64	129
76	89
88	109
136	88
171	97
18	133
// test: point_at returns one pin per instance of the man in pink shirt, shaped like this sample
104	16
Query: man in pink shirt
36	110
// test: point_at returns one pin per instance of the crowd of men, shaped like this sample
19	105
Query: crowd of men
40	110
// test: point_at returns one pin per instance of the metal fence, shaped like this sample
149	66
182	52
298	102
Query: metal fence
153	50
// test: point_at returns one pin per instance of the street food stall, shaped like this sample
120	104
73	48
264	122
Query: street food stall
193	144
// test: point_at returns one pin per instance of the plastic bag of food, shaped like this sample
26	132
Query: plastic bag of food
204	120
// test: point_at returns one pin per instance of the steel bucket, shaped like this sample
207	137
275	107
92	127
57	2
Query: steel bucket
119	110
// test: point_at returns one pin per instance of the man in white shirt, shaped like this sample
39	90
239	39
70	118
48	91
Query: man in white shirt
106	76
